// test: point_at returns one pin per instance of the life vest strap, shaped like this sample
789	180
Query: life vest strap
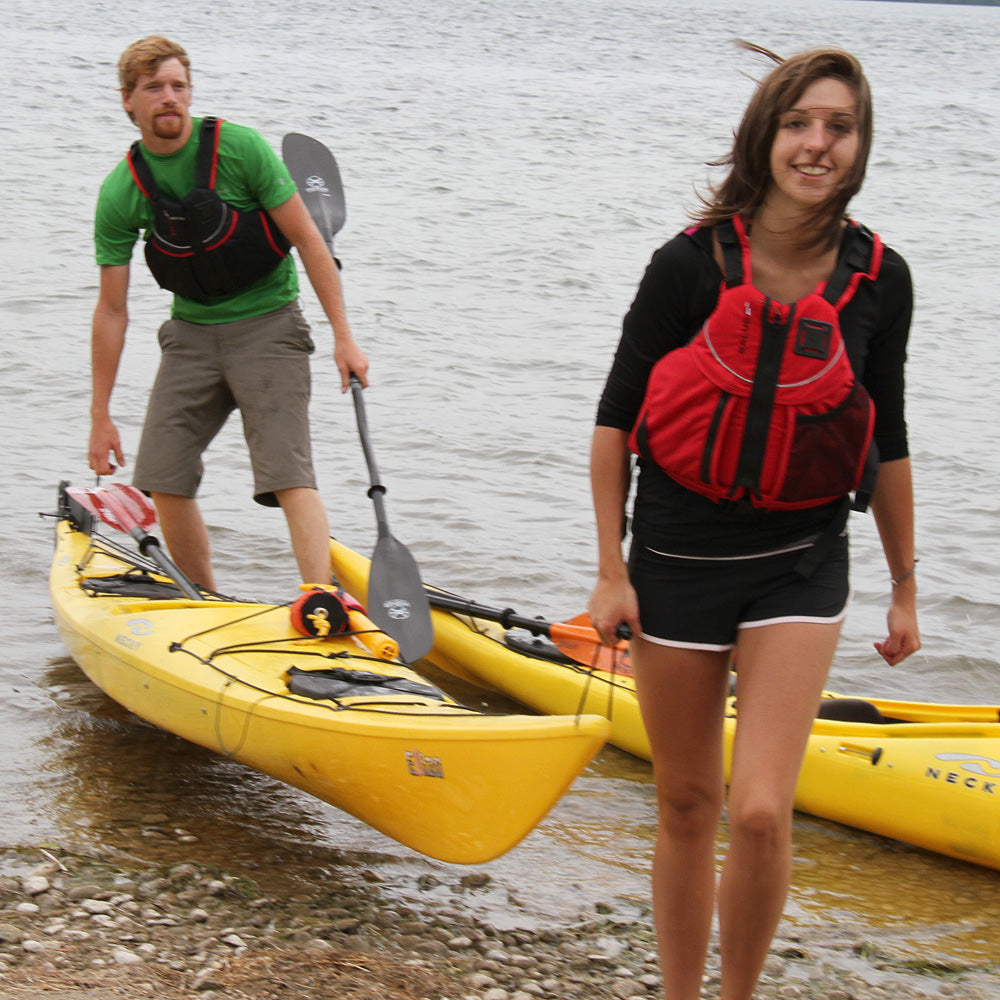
860	257
735	251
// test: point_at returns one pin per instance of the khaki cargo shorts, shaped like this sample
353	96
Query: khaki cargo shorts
259	366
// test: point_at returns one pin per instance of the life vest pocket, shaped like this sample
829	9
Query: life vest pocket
219	253
827	451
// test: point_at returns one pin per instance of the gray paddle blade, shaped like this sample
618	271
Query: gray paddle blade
397	603
317	177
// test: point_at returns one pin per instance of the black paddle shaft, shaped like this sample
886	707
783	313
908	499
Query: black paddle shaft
507	617
376	490
397	603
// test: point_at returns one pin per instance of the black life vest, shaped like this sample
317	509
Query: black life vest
762	405
201	247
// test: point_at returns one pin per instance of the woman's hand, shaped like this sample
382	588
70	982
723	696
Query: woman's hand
612	603
904	635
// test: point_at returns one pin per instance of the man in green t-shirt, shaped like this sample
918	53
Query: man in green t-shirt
248	350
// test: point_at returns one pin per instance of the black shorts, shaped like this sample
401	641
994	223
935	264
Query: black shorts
700	603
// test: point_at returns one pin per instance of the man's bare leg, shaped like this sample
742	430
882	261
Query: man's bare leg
186	536
310	532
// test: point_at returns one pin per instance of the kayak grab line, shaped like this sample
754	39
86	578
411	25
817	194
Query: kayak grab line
247	718
99	543
260	647
591	672
303	640
264	609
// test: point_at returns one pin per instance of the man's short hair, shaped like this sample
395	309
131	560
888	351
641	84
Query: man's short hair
144	57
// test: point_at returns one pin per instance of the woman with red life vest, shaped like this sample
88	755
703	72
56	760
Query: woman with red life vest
730	561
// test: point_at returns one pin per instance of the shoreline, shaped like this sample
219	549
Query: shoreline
95	927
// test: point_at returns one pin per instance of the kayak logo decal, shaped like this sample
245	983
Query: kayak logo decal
138	627
397	609
315	184
421	766
985	771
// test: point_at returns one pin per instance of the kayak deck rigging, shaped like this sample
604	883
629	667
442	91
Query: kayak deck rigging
151	593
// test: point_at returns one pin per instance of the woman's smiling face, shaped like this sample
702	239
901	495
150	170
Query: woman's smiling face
815	146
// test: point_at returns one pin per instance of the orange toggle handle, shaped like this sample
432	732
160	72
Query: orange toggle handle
384	647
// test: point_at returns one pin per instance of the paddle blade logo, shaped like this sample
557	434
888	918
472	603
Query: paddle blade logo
315	184
397	609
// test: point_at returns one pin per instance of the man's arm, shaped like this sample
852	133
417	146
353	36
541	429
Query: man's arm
106	345
293	219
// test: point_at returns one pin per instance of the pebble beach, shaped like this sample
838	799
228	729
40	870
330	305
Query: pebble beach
76	927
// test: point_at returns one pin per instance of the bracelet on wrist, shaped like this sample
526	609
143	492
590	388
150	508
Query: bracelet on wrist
906	575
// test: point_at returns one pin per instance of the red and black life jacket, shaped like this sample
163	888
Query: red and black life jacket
201	247
762	405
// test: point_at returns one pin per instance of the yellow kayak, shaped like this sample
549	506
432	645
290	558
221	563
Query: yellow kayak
327	715
925	774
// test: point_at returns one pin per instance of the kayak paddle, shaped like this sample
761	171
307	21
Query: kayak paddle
317	177
127	509
577	638
397	602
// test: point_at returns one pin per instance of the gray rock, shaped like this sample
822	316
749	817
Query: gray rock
96	906
122	956
35	885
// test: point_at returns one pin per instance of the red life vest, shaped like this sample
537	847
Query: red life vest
201	247
762	405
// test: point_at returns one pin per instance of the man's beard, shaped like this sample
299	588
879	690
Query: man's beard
168	128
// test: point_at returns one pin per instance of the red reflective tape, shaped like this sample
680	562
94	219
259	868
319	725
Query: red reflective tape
215	155
135	176
270	236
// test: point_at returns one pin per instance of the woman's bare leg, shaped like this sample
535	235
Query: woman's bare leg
781	672
682	694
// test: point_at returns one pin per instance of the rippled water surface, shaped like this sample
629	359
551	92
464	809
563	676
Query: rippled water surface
509	170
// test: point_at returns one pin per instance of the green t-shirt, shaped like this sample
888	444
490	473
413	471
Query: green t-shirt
250	176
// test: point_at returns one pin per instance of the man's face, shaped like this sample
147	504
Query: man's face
160	105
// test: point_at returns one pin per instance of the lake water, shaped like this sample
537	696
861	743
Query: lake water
509	170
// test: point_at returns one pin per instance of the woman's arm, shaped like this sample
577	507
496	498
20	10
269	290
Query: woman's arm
613	600
892	505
